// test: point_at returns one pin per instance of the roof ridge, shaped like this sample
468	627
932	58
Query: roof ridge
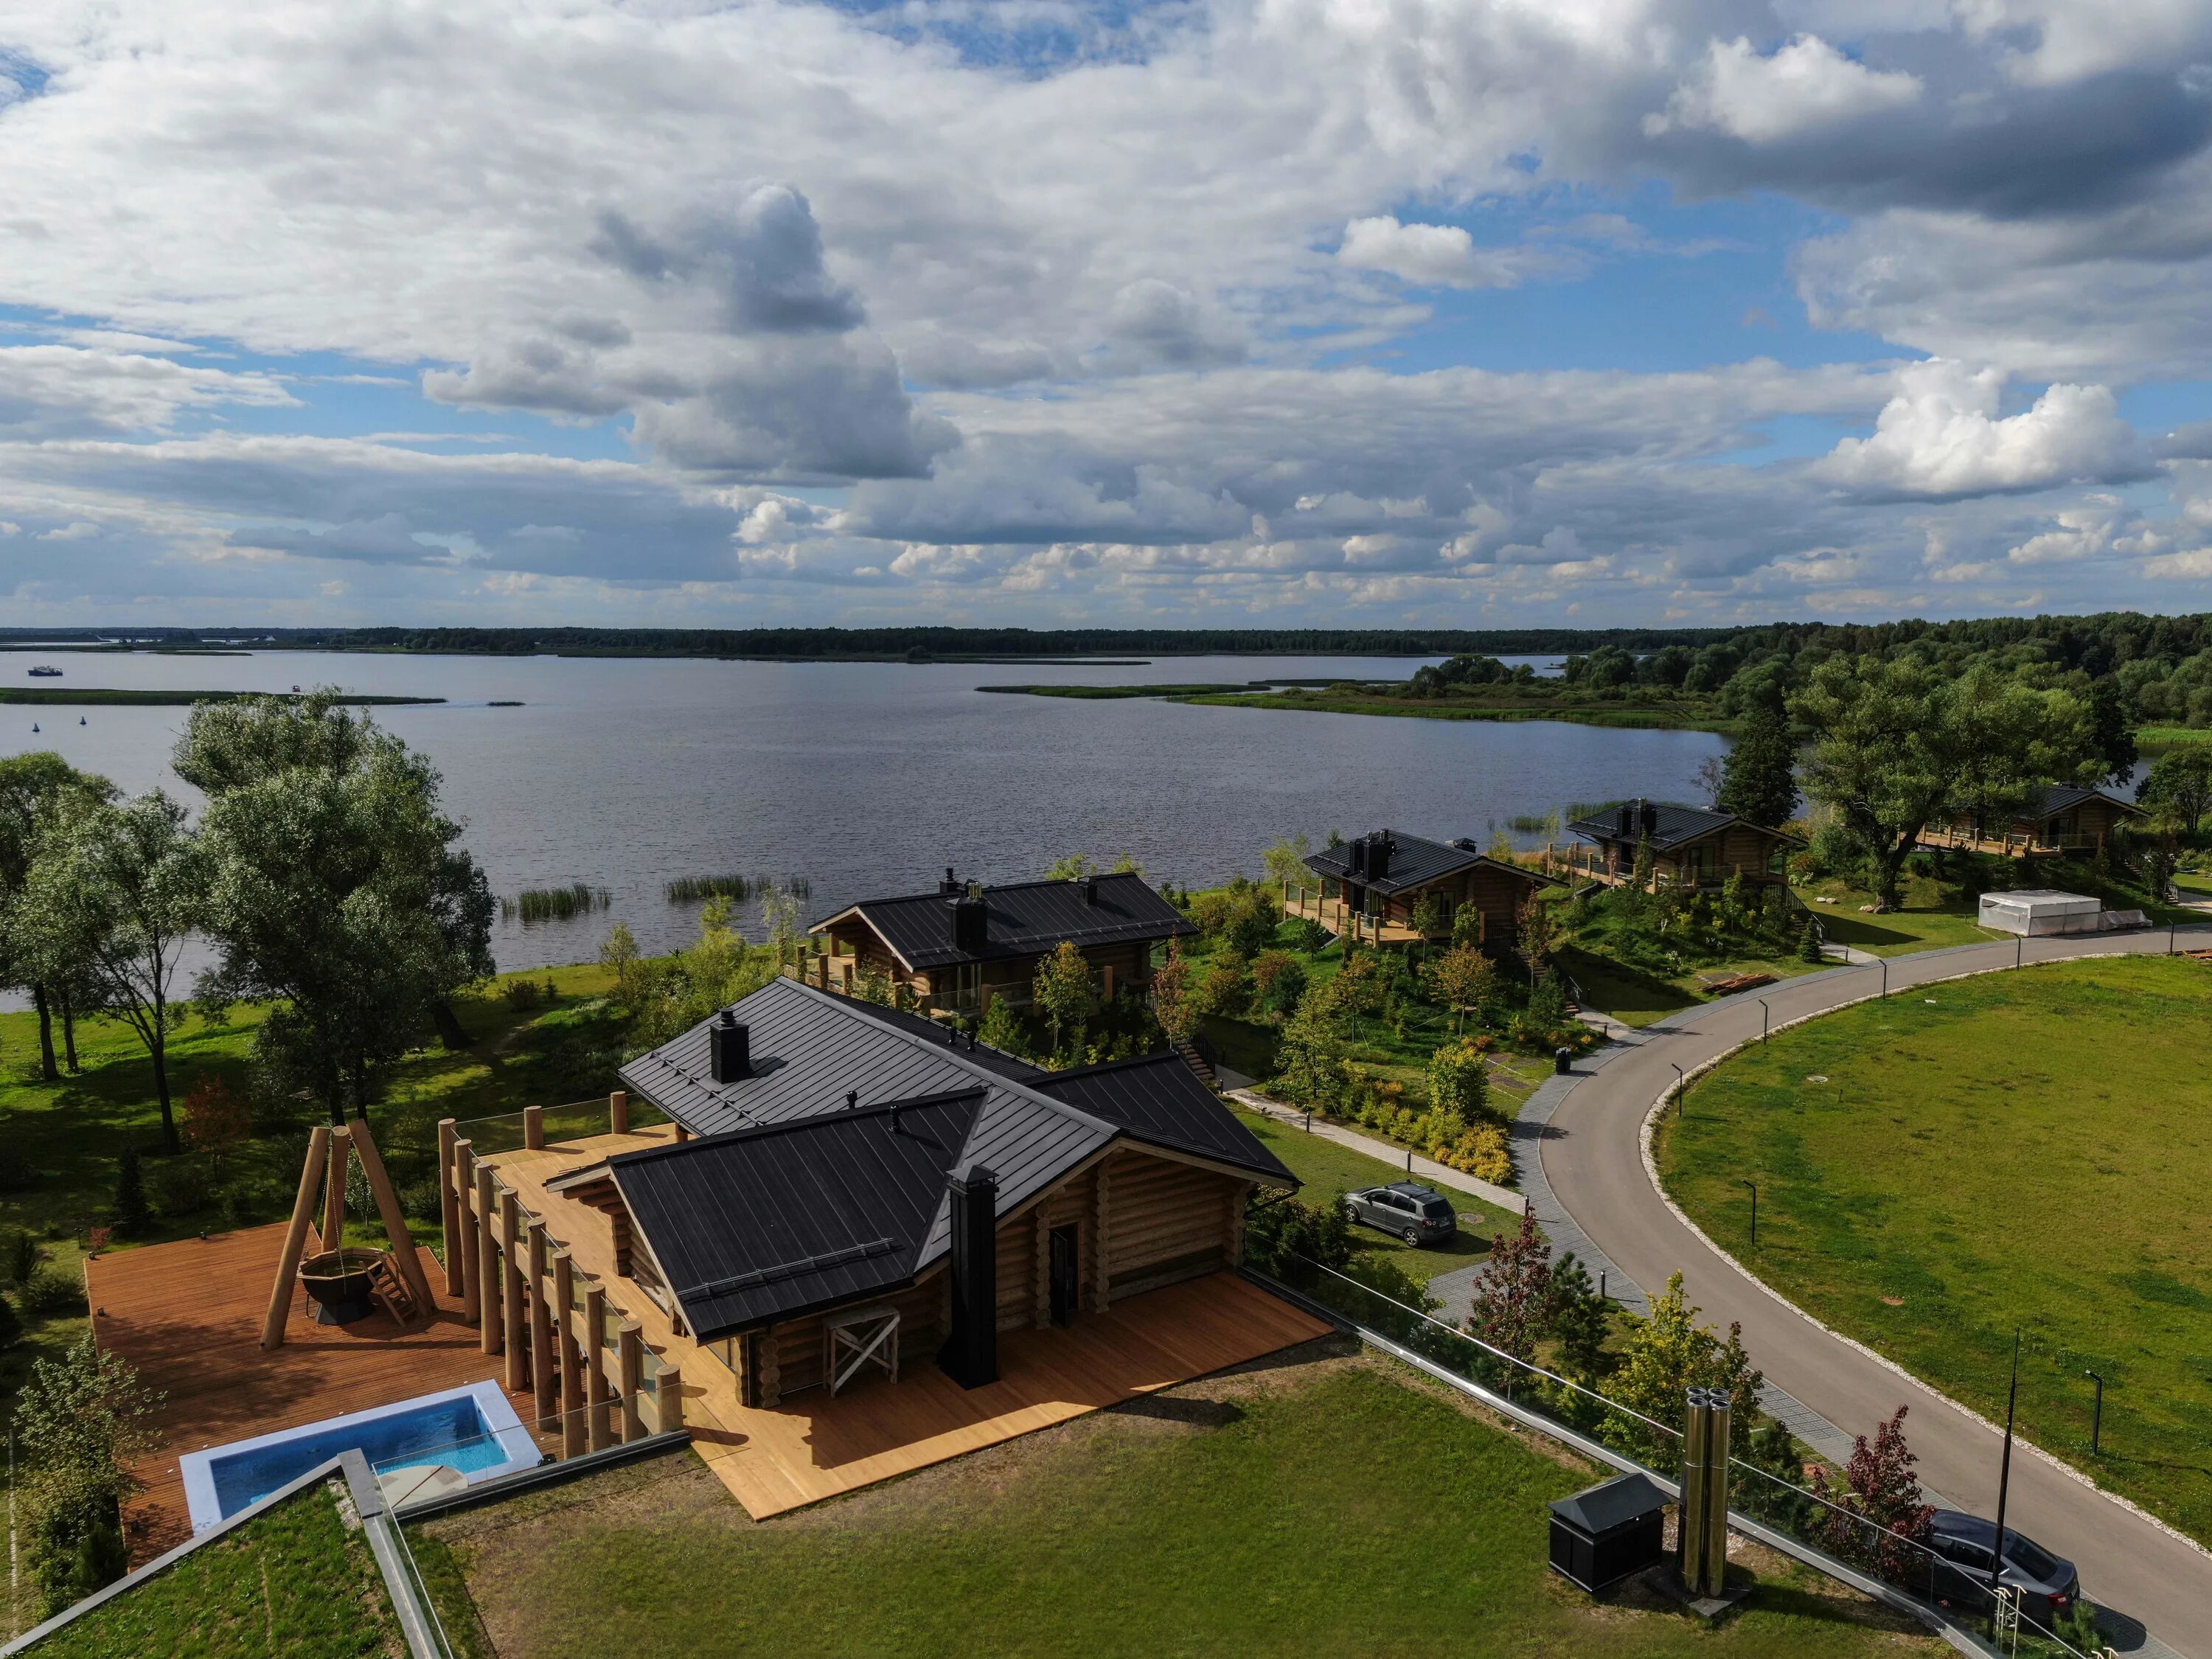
990	888
792	1125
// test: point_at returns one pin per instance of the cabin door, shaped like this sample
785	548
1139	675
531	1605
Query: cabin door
1065	1274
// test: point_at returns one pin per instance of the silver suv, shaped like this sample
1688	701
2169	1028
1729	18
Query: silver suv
1418	1214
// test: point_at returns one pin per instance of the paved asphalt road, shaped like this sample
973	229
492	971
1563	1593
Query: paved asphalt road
1592	1159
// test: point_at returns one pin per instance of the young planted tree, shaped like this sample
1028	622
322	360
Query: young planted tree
1361	987
1536	932
1577	1319
1309	1060
1884	1515
1463	979
215	1121
1667	1354
79	1424
1459	1080
1512	1294
1171	996
1432	915
1279	981
1759	780
1074	868
1899	744
116	889
1286	861
36	790
339	891
1062	992
619	955
780	917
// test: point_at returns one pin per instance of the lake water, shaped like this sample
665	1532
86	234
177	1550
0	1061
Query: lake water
869	778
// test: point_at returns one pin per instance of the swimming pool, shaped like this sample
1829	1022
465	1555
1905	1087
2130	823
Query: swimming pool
473	1430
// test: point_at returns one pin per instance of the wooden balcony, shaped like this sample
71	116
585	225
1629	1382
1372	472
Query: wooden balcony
2014	843
1332	914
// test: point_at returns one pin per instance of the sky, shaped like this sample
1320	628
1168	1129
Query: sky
1480	313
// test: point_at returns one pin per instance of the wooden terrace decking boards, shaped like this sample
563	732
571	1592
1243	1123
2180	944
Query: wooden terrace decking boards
812	1447
188	1316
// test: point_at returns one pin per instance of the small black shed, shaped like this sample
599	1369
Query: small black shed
1605	1532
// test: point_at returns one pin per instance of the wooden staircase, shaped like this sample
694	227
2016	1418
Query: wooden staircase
1197	1062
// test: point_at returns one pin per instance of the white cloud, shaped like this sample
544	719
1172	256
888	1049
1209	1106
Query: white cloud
1940	436
1805	86
53	390
1436	256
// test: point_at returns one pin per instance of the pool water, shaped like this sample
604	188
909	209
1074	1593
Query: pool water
473	1430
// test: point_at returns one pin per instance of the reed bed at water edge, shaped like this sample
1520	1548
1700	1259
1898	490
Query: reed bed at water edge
536	904
689	889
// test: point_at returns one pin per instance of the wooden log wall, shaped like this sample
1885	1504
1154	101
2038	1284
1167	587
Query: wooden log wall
794	1349
1169	1220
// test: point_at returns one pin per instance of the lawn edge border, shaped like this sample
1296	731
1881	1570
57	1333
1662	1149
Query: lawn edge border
1651	1173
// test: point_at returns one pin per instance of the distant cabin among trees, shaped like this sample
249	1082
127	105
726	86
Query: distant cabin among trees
1394	888
2055	819
959	949
1689	846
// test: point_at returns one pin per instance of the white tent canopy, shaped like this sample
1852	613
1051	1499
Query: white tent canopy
2041	911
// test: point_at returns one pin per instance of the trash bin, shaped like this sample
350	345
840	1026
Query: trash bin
1604	1532
1562	1062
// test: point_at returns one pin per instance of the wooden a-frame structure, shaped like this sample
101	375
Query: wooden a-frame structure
329	1152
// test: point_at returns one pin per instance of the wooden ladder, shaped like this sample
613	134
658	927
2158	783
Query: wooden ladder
389	1291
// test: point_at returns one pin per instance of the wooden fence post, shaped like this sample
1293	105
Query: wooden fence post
462	1247
489	1329
668	1399
295	1239
595	1365
618	1111
564	1335
533	1128
544	1378
629	1373
449	1208
512	1336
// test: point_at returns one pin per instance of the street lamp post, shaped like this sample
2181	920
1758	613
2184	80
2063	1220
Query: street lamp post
1884	978
2097	1422
1681	1082
2019	947
1764	1014
2004	1479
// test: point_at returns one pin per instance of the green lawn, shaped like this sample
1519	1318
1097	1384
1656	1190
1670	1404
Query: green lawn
1329	1507
2028	1148
293	1582
1329	1171
1934	916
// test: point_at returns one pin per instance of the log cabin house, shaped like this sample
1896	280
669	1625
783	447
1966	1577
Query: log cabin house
958	949
1372	887
857	1191
2056	818
1691	847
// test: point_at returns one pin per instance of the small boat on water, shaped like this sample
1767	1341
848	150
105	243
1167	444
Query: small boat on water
34	728
80	720
43	672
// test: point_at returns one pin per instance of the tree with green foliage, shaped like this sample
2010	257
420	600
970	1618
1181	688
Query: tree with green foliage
132	1215
340	892
1279	981
1286	861
1074	868
1459	1080
1759	780
1536	932
1432	915
1292	1240
1309	1060
1808	943
35	791
1510	1309
1898	745
1360	987
1547	1002
1002	1029
780	920
1062	992
1577	1319
115	891
2112	731
619	955
1171	996
1464	980
1665	1355
2178	787
79	1423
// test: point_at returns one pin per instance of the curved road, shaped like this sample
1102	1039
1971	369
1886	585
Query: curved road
1592	1158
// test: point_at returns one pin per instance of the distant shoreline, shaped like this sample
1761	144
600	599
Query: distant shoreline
95	697
1258	695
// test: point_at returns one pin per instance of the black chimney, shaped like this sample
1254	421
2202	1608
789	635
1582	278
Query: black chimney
1090	890
949	886
852	1099
1357	850
970	922
1624	821
1648	817
970	1354
1378	855
729	1049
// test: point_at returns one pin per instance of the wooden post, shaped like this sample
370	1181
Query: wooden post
629	1373
512	1336
462	1245
296	1238
533	1128
544	1382
488	1326
334	1191
668	1399
572	1371
1100	1200
404	1254
618	1111
1040	1274
595	1366
449	1207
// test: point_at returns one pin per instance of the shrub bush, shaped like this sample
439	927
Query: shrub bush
420	1200
49	1292
18	1254
178	1187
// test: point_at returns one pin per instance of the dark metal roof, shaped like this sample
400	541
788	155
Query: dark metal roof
1159	1099
1609	1503
770	1223
1677	823
2050	799
1025	920
1415	861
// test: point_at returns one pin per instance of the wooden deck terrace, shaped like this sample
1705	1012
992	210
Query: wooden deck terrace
811	1447
1334	914
188	1316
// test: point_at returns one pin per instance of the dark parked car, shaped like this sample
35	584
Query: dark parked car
2048	1585
1418	1214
